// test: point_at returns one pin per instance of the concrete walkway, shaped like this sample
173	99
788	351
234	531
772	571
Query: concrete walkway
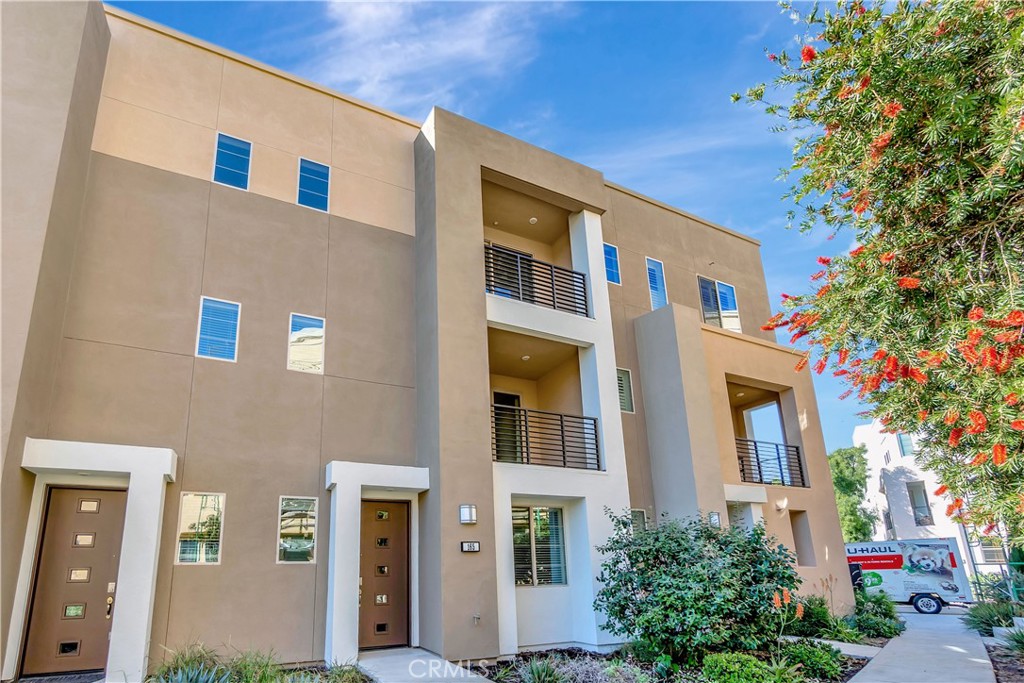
413	665
935	648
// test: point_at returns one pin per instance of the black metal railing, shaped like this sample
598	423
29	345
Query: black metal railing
763	462
537	437
515	275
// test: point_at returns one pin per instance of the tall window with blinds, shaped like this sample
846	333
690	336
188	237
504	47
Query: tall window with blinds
906	443
611	264
218	329
625	390
656	283
718	304
538	543
231	165
314	184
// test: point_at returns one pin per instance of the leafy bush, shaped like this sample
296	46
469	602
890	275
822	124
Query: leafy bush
687	587
819	660
596	670
876	604
984	615
874	626
817	618
540	670
736	667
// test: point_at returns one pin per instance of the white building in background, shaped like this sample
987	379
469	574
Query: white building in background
902	494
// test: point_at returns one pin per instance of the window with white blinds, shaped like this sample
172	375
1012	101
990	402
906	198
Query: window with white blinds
314	184
718	304
538	545
611	264
231	164
218	329
656	282
625	390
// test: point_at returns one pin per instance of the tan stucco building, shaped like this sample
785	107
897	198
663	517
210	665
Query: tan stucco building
284	370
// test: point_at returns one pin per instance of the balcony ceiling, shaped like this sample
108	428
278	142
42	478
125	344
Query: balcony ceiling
752	396
513	210
506	350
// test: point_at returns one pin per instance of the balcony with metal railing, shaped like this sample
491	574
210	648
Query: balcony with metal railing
517	275
539	437
764	462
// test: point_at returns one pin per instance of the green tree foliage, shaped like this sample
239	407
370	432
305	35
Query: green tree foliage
909	120
685	588
850	481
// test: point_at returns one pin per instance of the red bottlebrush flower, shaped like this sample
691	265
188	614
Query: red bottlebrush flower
859	9
954	506
969	354
979	423
954	437
887	257
863	84
999	454
879	144
1007	337
845	92
847	195
989	529
807	53
951	417
918	376
772	57
1017	425
1015	319
979	459
820	366
843	355
798	335
989	357
817	276
824	260
1004	363
908	283
1020	124
974	336
846	394
823	291
860	207
879	355
976	314
1011	399
801	364
858	251
922	415
892	109
941	30
840	373
941	490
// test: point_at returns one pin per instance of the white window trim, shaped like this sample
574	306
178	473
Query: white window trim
618	263
248	170
238	328
177	529
287	346
718	295
316	541
298	186
632	395
664	281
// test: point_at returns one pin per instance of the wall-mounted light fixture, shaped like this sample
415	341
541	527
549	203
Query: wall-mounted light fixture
467	514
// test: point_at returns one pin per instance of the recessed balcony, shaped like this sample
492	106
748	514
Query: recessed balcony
517	275
536	403
764	462
762	448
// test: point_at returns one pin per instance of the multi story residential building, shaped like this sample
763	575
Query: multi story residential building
903	496
284	370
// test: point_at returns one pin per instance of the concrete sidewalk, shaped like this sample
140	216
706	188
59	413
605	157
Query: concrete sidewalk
935	648
413	665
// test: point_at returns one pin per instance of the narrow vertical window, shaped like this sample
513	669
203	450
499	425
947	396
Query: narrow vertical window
306	344
709	301
919	503
314	184
611	264
656	282
538	540
199	528
728	306
296	530
218	329
231	166
906	443
625	390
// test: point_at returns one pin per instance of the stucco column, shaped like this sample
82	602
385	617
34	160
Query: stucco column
341	641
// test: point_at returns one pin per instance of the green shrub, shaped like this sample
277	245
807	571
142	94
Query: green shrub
193	673
984	615
686	588
782	670
193	656
734	667
874	626
343	673
876	604
1015	641
842	631
817	618
540	670
253	666
819	660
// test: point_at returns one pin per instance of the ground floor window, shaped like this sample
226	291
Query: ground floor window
199	528
538	539
296	531
992	550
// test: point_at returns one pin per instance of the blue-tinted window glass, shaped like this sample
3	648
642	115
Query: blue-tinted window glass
709	301
727	297
232	164
218	329
314	184
656	282
906	444
611	264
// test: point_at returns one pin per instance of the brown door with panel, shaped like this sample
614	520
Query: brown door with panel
75	582
384	575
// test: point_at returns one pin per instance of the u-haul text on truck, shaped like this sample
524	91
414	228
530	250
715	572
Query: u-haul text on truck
926	573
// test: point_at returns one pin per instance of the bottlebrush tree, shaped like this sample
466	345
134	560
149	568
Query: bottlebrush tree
910	125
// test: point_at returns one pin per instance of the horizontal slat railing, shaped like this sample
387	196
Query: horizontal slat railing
763	462
517	276
538	437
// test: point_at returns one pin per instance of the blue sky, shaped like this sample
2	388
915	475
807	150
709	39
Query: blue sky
637	90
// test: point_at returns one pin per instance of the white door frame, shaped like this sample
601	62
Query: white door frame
144	472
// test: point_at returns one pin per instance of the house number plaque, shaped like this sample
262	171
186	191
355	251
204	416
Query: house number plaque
471	546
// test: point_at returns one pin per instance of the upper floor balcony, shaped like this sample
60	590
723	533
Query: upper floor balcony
517	275
764	455
536	404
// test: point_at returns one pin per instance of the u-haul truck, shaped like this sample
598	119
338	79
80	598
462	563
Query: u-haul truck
926	573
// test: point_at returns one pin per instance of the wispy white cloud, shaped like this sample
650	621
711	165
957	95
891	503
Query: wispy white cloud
410	56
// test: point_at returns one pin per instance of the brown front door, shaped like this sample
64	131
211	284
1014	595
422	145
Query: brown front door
76	581
384	575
